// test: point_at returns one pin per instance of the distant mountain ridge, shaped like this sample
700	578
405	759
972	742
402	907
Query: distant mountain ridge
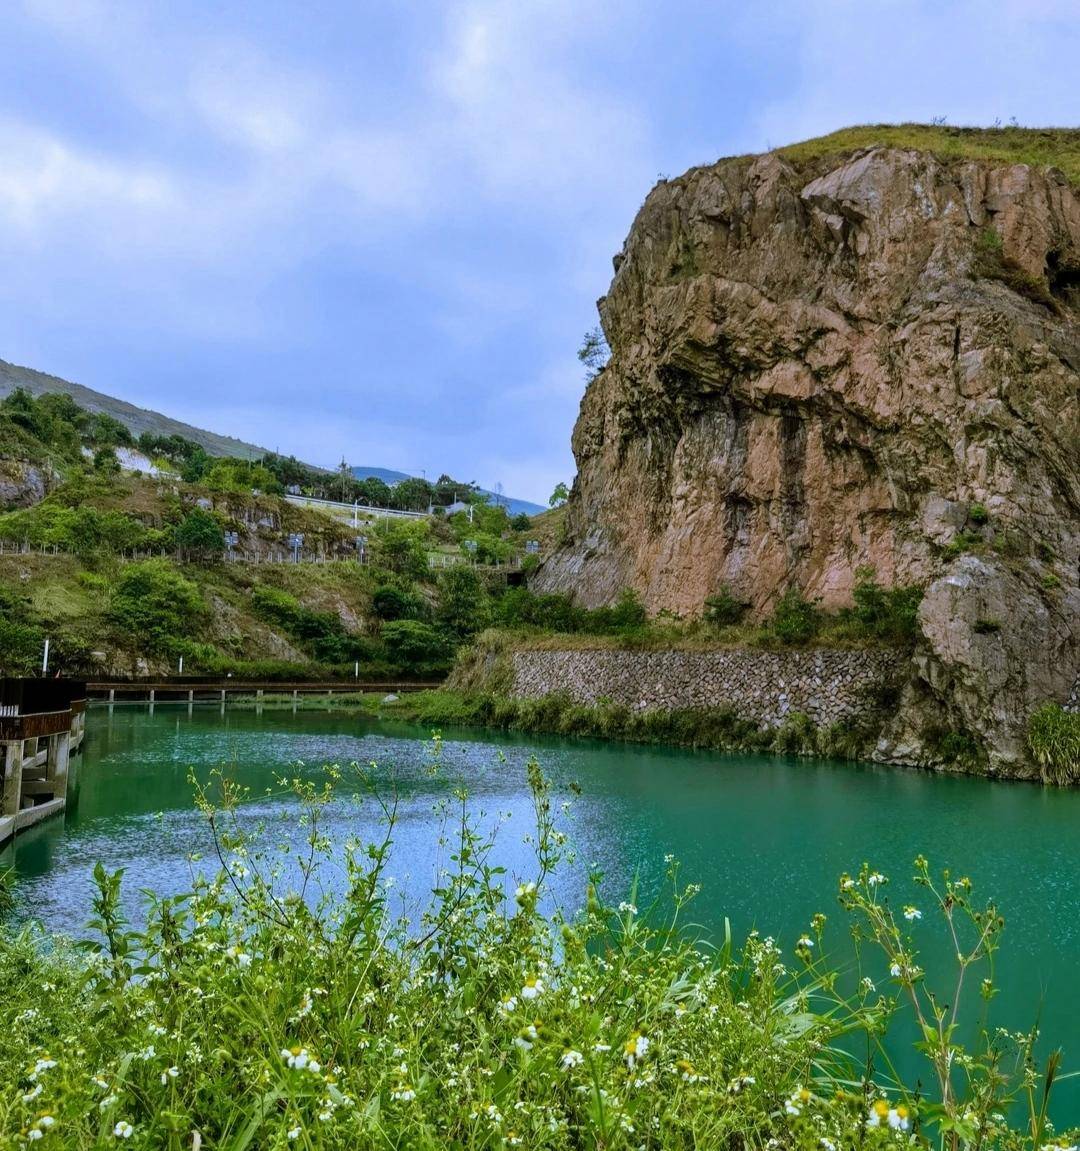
138	420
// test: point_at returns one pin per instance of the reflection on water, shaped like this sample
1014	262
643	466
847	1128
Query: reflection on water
766	837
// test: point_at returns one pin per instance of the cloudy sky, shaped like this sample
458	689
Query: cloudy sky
378	229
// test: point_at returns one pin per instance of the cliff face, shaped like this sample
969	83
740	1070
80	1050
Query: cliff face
832	363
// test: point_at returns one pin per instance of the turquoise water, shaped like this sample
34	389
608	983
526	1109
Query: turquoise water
765	836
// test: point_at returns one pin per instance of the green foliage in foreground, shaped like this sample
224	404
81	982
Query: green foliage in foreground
261	1011
1054	739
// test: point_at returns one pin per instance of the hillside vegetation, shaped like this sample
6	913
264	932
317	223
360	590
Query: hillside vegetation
126	573
1040	147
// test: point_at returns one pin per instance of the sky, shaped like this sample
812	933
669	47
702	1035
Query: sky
378	230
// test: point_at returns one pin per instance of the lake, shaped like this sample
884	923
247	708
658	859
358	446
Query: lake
766	837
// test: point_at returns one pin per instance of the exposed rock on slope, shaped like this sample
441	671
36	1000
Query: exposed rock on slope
861	360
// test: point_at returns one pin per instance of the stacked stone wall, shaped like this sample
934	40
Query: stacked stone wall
767	687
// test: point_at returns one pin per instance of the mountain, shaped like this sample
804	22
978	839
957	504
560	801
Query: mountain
139	420
862	352
136	419
387	475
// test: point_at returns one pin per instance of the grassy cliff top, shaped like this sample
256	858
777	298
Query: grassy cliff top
1041	147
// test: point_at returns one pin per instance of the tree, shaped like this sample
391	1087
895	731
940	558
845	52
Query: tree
412	644
559	496
105	461
594	353
463	601
200	533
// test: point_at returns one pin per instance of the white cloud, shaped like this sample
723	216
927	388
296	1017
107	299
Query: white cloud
45	179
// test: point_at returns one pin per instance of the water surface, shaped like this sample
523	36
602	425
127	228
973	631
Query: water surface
765	836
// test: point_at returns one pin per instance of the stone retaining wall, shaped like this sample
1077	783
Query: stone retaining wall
763	686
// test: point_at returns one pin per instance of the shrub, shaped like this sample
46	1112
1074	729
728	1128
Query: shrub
796	620
986	626
199	533
978	515
414	644
1054	739
389	603
158	608
885	613
724	608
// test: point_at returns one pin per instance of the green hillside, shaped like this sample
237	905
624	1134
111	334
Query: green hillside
126	573
137	420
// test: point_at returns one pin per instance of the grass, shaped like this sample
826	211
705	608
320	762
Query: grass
1040	147
286	1000
1054	740
719	728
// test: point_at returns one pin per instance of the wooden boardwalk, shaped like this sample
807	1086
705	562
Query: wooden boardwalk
179	690
41	725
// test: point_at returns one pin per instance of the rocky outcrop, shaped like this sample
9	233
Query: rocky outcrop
22	484
868	360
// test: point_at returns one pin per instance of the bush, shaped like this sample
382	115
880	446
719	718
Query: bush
199	533
796	620
885	613
1054	739
415	645
390	603
158	608
724	609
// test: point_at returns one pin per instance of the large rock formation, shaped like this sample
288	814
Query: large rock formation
870	359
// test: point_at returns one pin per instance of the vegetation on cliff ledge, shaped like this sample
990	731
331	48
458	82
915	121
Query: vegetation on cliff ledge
287	1002
1040	147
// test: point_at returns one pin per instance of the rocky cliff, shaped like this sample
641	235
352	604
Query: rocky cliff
828	361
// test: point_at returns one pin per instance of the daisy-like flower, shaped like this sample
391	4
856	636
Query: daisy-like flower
526	1037
571	1059
532	988
739	1082
239	955
797	1100
686	1071
628	907
30	1096
882	1115
300	1059
123	1129
171	1073
506	1007
42	1064
635	1049
874	878
805	942
525	893
911	913
292	1133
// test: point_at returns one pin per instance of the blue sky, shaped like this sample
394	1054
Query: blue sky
378	230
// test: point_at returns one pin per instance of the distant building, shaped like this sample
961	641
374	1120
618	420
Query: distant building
293	490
